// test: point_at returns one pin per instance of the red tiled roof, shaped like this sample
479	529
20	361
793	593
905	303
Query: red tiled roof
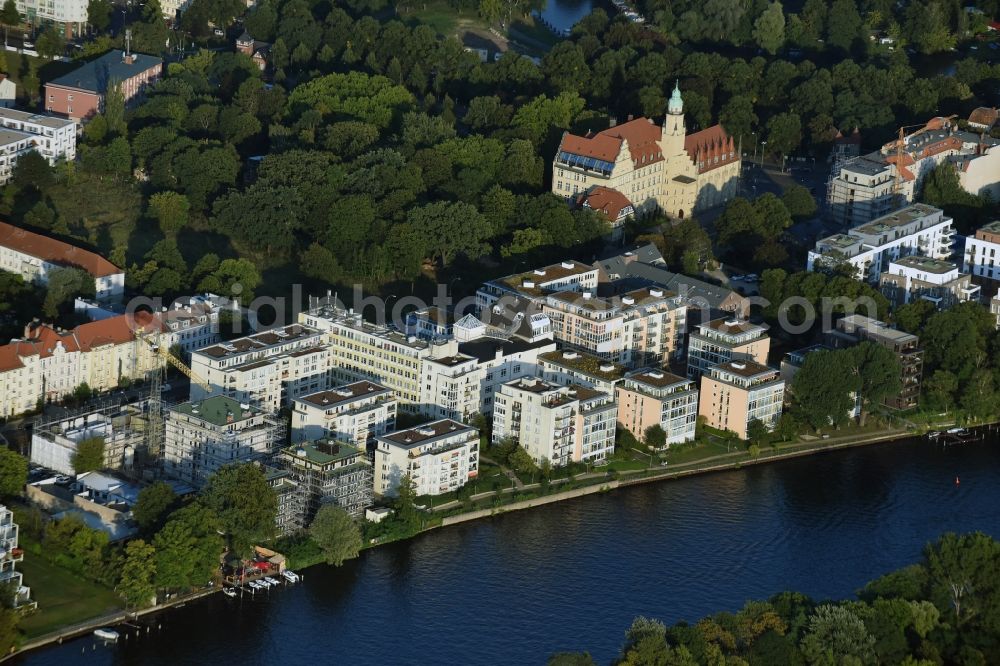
608	201
55	251
642	135
598	146
984	116
706	145
86	337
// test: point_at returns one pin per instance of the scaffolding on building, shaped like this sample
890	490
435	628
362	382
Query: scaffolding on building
348	486
124	442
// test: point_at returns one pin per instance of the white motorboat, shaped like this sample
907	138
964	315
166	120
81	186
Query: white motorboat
229	592
106	634
290	576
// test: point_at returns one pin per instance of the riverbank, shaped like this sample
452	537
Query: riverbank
595	483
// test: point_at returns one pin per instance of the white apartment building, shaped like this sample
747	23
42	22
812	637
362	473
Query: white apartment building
534	285
72	12
23	132
569	367
354	413
450	387
10	555
736	393
869	247
204	435
48	364
651	397
34	257
558	424
439	457
268	369
872	185
723	340
915	277
995	307
502	361
980	257
193	323
360	350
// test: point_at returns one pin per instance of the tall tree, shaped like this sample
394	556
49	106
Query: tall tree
843	24
823	389
336	534
152	506
879	374
769	29
89	455
13	472
245	503
137	586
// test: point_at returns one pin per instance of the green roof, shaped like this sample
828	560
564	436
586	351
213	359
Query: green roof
322	451
216	410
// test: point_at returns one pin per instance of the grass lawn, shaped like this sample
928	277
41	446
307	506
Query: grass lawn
63	598
688	453
627	465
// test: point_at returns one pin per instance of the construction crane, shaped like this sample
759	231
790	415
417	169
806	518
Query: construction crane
153	340
154	432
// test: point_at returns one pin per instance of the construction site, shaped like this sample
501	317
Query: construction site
864	187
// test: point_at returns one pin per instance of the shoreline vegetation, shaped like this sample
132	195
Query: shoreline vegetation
942	609
76	622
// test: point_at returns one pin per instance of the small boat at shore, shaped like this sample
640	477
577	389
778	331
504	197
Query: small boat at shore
106	634
934	434
229	592
958	431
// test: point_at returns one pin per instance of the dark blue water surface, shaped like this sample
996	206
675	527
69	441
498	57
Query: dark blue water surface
513	589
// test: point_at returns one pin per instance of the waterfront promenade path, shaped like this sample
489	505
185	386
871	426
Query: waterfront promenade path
805	445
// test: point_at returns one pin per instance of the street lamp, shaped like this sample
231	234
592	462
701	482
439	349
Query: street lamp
763	148
754	147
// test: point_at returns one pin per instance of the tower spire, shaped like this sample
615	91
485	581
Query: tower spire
675	106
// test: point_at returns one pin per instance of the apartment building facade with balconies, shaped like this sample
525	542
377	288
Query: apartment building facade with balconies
439	457
736	393
722	340
651	397
558	424
354	413
917	229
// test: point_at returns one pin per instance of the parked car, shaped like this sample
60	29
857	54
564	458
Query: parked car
219	32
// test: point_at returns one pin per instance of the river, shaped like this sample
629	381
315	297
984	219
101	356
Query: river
564	14
572	575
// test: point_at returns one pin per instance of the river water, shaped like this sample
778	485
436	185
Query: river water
514	588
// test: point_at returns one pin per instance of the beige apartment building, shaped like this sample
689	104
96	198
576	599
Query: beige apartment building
354	413
653	397
558	424
653	166
439	457
363	351
735	393
268	369
48	363
723	340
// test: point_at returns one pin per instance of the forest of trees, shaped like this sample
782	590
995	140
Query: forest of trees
943	610
410	156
